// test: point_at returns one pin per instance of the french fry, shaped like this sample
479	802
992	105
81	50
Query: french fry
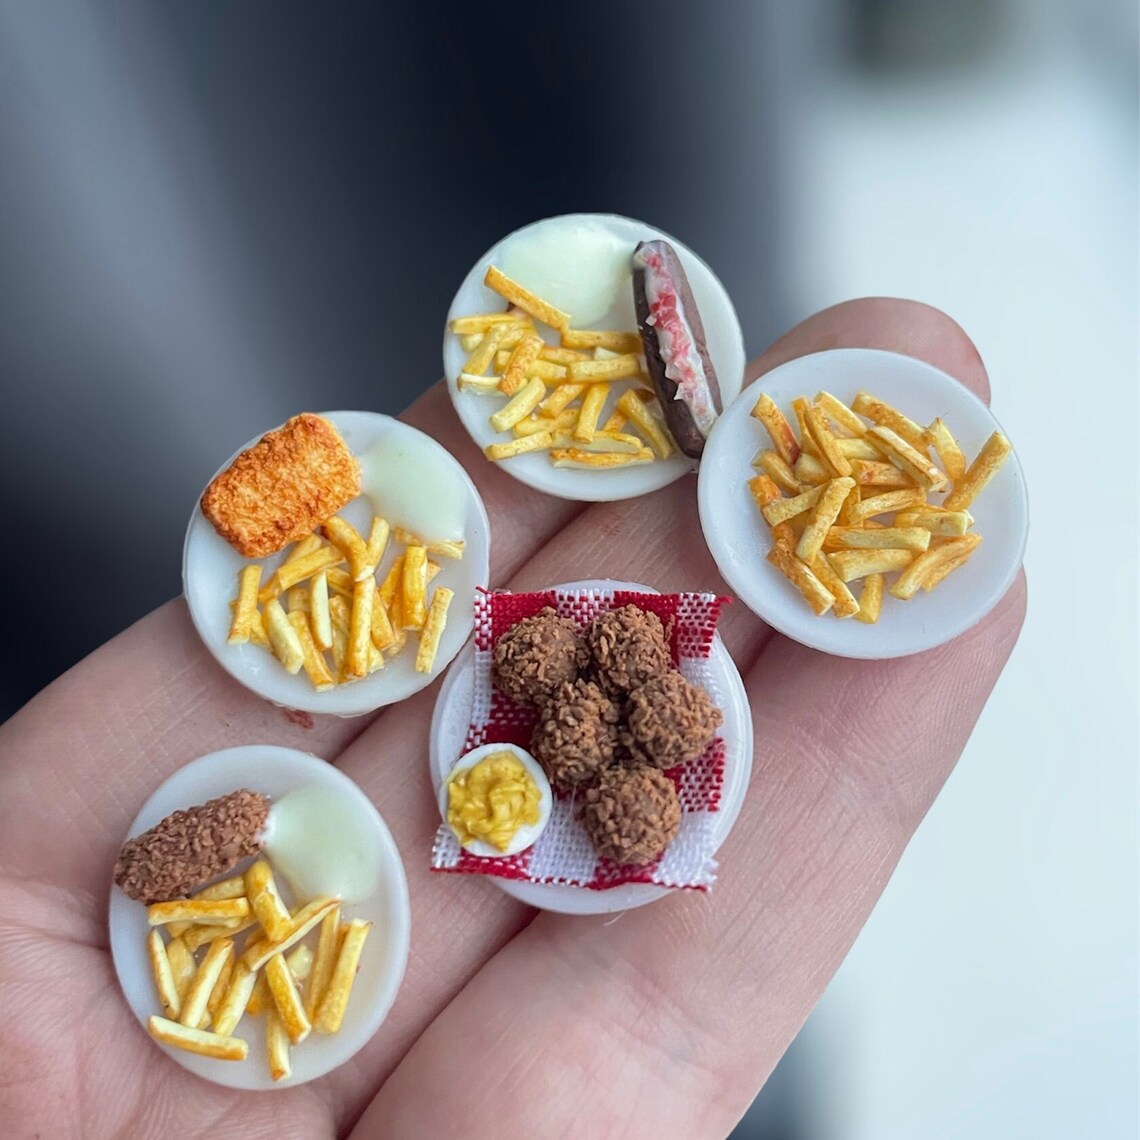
277	1047
989	460
297	600
875	473
200	935
592	404
602	441
444	548
197	1041
164	981
560	355
857	449
621	342
383	635
238	993
524	299
290	573
800	406
283	638
559	400
195	910
779	472
540	441
848	423
471	341
615	368
889	537
359	654
414	588
344	536
480	359
946	447
852	564
537	422
202	985
631	406
599	460
265	899
905	457
886	503
300	962
815	593
304	920
220	988
483	322
780	510
340	581
890	418
944	524
845	604
528	397
617	420
807	469
822	518
260	999
390	587
182	966
548	371
319	622
825	442
378	534
518	367
783	438
307	545
325	958
870	599
312	659
434	624
330	1012
258	634
765	491
928	564
246	608
287	1000
483	385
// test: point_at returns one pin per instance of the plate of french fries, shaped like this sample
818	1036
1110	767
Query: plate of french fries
569	409
245	982
863	503
360	613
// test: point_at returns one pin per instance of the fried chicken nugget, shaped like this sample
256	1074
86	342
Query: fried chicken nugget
283	487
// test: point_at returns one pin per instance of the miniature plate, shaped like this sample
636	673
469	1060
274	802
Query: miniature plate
452	717
274	771
210	569
725	346
740	540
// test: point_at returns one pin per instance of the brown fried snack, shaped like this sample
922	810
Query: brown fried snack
631	814
627	646
576	733
283	487
537	655
669	721
189	848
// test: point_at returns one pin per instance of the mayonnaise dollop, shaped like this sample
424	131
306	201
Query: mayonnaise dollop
323	844
408	485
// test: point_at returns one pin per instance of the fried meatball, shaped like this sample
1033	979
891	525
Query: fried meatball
576	733
535	656
627	646
669	721
631	814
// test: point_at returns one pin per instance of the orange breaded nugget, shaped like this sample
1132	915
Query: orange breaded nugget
283	487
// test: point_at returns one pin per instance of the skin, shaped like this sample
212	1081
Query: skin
664	1023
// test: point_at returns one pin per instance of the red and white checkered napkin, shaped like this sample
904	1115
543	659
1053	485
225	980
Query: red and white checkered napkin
563	853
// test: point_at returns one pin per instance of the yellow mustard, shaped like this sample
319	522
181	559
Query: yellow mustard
492	799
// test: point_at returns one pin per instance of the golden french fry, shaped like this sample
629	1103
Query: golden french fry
617	420
825	441
277	1047
519	365
946	447
471	341
316	668
524	299
886	503
646	422
340	581
852	564
989	460
325	958
414	588
345	537
539	423
378	534
195	910
560	355
526	399
200	935
249	579
781	474
434	625
484	352
586	460
889	537
592	404
559	400
905	457
483	385
330	1012
780	510
891	418
383	635
615	368
304	920
297	600
287	1000
283	638
445	548
482	322
545	370
260	999
237	996
359	655
300	962
944	524
308	545
845	604
290	573
182	966
783	438
800	406
622	342
320	624
261	890
540	441
197	1041
875	473
202	985
221	986
823	516
816	594
602	441
857	449
164	980
870	599
807	469
926	565
846	421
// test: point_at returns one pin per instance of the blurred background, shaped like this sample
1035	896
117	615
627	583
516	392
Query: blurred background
213	216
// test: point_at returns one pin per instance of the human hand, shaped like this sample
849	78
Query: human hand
510	1023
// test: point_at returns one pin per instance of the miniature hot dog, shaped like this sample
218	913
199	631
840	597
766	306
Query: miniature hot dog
676	355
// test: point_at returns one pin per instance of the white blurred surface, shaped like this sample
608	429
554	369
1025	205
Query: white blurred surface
992	993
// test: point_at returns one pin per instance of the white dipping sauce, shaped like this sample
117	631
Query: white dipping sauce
411	488
579	266
321	843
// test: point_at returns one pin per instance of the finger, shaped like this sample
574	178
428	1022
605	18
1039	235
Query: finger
100	739
655	540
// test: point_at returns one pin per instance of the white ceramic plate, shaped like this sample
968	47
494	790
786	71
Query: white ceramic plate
273	771
449	730
725	345
740	540
210	569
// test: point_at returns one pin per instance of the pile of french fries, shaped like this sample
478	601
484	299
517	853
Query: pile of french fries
274	972
338	623
558	395
850	500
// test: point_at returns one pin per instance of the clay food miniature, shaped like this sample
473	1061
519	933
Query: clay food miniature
576	733
627	647
536	656
669	721
631	814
